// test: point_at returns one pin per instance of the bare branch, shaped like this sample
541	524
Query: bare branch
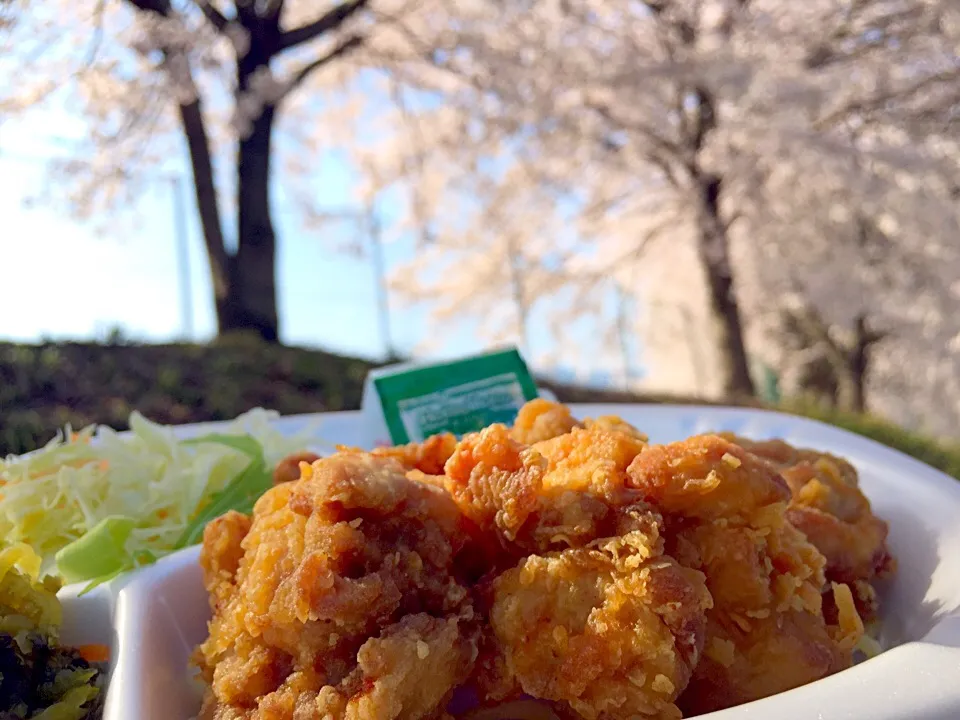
160	7
602	274
97	39
273	9
325	23
662	154
342	48
247	13
212	14
646	131
704	118
201	164
656	7
867	105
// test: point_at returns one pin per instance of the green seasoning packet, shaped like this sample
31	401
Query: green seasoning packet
459	397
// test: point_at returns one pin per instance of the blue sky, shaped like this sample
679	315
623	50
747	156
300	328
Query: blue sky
77	280
80	281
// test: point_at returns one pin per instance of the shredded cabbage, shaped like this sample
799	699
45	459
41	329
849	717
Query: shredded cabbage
139	490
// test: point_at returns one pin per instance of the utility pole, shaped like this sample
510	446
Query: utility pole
183	257
375	229
519	297
368	222
624	331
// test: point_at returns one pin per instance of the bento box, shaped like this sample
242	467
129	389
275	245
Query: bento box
153	618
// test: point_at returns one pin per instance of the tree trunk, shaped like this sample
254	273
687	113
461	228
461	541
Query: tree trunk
201	165
244	285
714	250
251	300
852	394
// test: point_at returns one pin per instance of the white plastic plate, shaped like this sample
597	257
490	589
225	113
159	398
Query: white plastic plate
155	617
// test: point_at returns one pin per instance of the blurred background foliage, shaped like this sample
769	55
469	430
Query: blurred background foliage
44	388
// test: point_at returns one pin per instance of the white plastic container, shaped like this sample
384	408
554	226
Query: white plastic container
154	618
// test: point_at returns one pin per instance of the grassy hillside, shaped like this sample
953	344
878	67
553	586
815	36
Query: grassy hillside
45	387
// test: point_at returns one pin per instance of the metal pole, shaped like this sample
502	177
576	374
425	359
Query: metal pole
519	297
183	257
380	279
623	331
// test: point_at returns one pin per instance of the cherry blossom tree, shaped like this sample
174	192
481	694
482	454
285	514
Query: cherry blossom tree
689	150
748	169
145	74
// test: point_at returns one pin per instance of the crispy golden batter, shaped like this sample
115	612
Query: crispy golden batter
541	420
615	423
288	469
592	459
428	456
828	506
568	561
725	512
612	631
340	598
562	492
222	552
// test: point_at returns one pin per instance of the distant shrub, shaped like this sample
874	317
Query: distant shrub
45	387
944	456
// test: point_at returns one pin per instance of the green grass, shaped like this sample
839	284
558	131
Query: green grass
942	455
45	387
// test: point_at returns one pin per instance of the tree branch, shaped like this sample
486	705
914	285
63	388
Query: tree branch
212	14
704	117
815	332
204	186
97	39
247	13
867	105
599	275
160	7
326	22
201	164
646	131
342	48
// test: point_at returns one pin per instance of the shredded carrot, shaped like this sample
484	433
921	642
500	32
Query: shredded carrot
94	653
163	514
73	464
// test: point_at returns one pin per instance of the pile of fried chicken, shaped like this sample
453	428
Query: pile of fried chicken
557	568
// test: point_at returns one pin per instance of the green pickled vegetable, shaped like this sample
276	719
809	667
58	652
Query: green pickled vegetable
100	552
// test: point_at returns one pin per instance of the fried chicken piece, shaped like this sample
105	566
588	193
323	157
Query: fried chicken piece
706	478
725	514
828	506
592	459
428	456
610	631
331	599
288	469
541	419
562	492
221	555
764	657
408	671
615	423
495	481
